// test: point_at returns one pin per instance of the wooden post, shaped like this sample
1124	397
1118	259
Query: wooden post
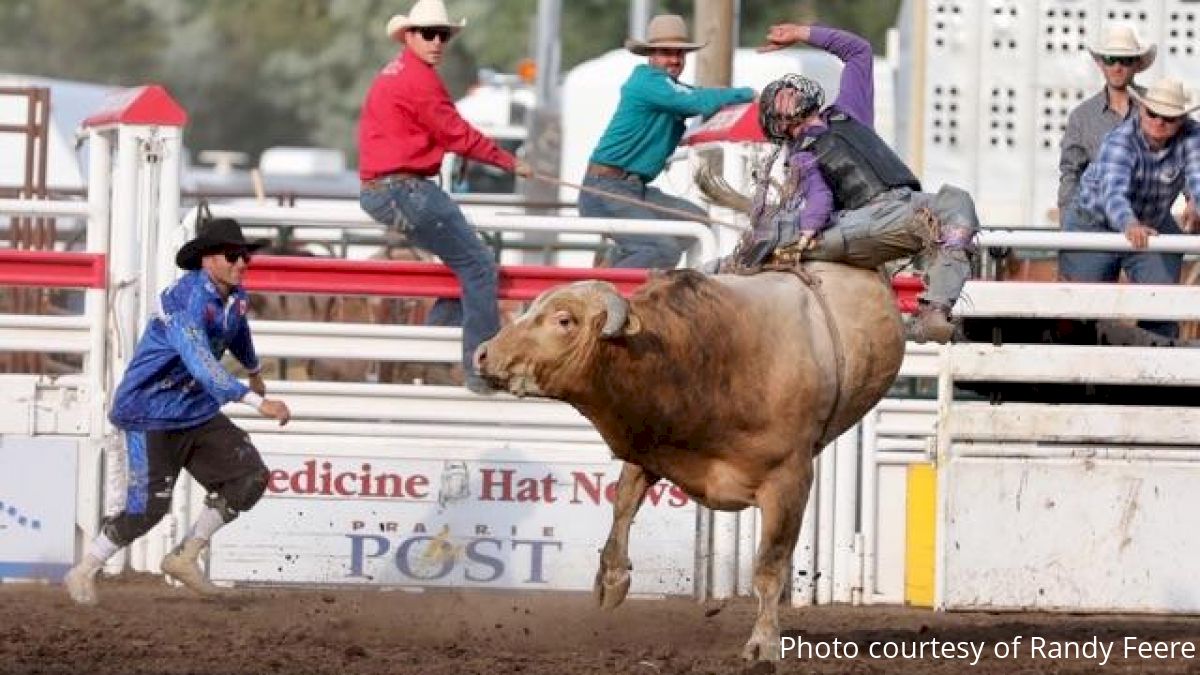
714	24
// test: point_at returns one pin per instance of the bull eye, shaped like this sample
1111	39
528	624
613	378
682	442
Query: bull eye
563	319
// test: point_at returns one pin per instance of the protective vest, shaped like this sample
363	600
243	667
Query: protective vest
856	162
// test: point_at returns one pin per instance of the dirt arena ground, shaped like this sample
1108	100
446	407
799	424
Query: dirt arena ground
143	626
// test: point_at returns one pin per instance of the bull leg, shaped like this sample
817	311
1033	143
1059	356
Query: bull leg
612	579
781	501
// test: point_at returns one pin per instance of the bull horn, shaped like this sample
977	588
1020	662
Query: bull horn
616	309
716	190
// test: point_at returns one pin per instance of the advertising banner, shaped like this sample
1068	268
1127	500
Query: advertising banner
37	507
412	514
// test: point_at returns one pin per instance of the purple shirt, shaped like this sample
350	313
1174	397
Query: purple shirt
856	98
856	92
812	188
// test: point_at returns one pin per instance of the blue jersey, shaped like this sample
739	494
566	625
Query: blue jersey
175	379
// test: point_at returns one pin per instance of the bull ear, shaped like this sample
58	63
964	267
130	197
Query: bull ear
633	325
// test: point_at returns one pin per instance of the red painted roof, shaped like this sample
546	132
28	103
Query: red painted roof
149	105
733	123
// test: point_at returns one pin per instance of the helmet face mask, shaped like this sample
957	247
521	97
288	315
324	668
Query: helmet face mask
806	97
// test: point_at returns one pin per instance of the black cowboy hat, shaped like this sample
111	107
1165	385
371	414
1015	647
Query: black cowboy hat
214	235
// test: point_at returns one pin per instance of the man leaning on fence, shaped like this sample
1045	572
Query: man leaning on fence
408	122
1142	167
640	138
168	407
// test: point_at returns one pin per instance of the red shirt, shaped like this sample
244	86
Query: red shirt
408	123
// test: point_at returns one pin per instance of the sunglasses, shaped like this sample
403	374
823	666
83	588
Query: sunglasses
432	33
1120	60
236	254
1169	119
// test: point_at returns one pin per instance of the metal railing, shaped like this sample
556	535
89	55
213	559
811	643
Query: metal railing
704	243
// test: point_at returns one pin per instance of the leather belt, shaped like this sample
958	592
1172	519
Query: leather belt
606	171
388	179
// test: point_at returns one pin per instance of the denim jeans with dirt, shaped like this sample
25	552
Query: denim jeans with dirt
889	228
429	219
636	250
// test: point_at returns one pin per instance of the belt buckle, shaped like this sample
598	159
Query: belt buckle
607	171
381	182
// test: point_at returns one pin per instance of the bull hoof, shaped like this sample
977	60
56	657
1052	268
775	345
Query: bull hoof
611	588
762	650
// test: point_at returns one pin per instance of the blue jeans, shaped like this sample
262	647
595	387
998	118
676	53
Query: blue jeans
888	228
1106	266
427	216
636	250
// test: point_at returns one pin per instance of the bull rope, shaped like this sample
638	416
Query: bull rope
813	284
679	213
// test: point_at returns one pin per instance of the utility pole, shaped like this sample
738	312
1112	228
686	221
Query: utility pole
640	12
544	143
548	53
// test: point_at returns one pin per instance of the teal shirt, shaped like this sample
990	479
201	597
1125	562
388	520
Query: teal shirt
649	120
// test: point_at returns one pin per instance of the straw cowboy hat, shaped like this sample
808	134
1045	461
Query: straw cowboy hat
666	31
212	236
1166	98
1121	39
424	14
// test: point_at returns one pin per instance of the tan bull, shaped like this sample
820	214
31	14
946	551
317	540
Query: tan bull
727	386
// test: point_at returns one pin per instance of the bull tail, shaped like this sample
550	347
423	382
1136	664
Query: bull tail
716	190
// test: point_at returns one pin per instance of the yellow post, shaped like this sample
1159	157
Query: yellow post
921	533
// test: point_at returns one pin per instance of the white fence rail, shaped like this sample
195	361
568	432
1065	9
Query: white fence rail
50	208
312	340
1029	300
1084	241
704	243
42	333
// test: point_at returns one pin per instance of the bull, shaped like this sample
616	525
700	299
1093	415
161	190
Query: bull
728	386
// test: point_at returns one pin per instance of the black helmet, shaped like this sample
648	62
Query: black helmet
775	123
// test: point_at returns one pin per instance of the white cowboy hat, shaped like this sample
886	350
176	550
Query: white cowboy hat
1121	39
1167	98
666	31
424	14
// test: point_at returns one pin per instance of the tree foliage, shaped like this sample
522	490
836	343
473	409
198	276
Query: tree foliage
293	72
74	39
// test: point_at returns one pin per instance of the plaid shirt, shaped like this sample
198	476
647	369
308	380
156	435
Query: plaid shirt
1129	182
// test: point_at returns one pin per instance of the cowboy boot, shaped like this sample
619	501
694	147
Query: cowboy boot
81	581
933	323
183	565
